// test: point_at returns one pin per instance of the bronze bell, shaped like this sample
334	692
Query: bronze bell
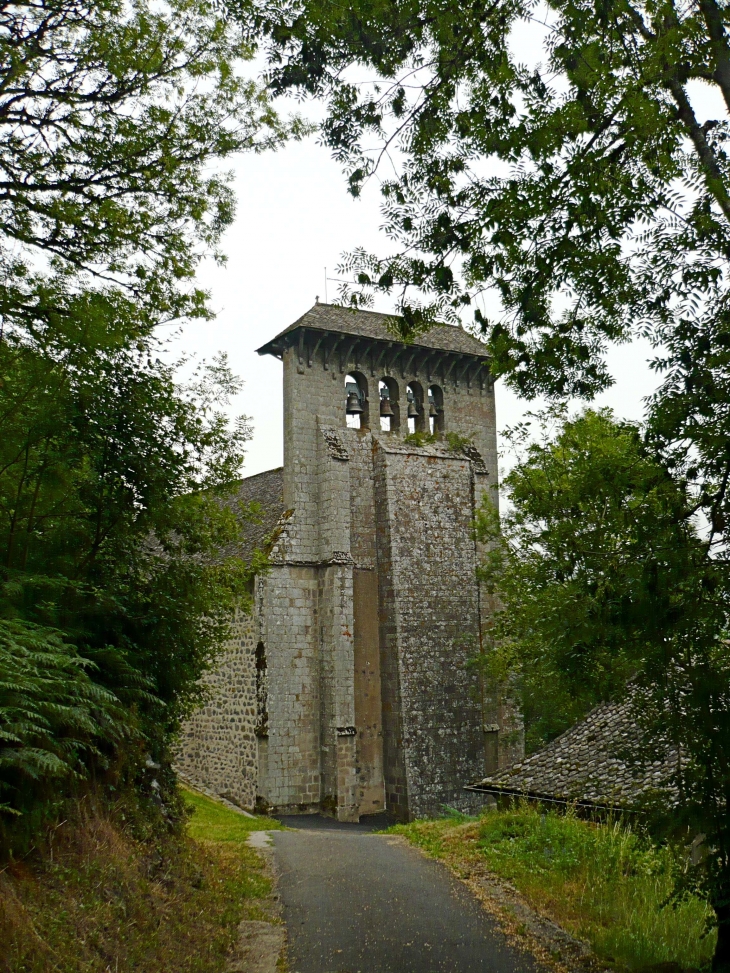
432	410
386	409
353	404
412	409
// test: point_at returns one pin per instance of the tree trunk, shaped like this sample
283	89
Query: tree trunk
721	959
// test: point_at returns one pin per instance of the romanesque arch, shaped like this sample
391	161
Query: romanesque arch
357	409
389	404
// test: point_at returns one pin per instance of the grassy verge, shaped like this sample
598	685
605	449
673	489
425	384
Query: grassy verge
101	901
601	883
214	824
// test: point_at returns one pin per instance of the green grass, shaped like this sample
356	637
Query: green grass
601	882
211	821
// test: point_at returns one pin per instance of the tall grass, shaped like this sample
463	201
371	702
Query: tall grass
602	882
99	900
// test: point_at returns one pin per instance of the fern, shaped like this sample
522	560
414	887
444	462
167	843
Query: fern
53	714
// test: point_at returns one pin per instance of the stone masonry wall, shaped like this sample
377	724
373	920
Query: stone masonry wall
337	672
470	412
313	397
368	698
368	702
288	600
218	747
394	769
429	555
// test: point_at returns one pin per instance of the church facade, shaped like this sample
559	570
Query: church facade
353	686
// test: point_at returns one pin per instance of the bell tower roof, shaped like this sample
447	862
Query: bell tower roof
335	320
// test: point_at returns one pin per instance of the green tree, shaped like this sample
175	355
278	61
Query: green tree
113	596
580	197
582	192
604	578
114	118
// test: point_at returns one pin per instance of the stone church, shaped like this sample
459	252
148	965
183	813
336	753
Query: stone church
352	688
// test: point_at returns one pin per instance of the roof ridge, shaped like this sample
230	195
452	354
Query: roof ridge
337	318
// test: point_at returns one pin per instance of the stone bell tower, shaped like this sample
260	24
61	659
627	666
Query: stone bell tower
370	616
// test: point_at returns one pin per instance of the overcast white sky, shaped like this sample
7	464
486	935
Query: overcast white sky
295	218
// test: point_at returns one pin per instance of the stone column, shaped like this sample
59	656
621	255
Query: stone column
336	628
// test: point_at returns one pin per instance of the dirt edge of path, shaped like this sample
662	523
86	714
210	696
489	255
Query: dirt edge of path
525	928
262	943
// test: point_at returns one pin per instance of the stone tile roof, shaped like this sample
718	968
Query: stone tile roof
267	490
370	324
590	764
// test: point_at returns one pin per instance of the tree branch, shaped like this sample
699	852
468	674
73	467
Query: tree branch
713	174
719	45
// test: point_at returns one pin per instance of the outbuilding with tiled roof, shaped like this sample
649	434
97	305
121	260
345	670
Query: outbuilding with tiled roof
593	764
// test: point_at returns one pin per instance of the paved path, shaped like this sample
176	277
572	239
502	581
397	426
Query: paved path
356	902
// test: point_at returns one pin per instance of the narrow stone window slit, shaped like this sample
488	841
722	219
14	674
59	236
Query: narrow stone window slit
261	728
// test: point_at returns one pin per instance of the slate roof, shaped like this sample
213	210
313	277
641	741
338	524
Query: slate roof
590	764
266	489
370	324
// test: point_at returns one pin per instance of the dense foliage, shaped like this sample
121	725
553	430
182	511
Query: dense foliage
114	119
580	190
606	579
596	559
112	602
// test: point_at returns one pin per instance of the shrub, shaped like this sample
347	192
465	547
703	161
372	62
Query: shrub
606	882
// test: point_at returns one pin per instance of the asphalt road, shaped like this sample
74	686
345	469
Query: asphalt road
357	902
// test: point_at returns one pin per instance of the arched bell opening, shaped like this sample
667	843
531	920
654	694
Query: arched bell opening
435	409
357	412
389	405
416	412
